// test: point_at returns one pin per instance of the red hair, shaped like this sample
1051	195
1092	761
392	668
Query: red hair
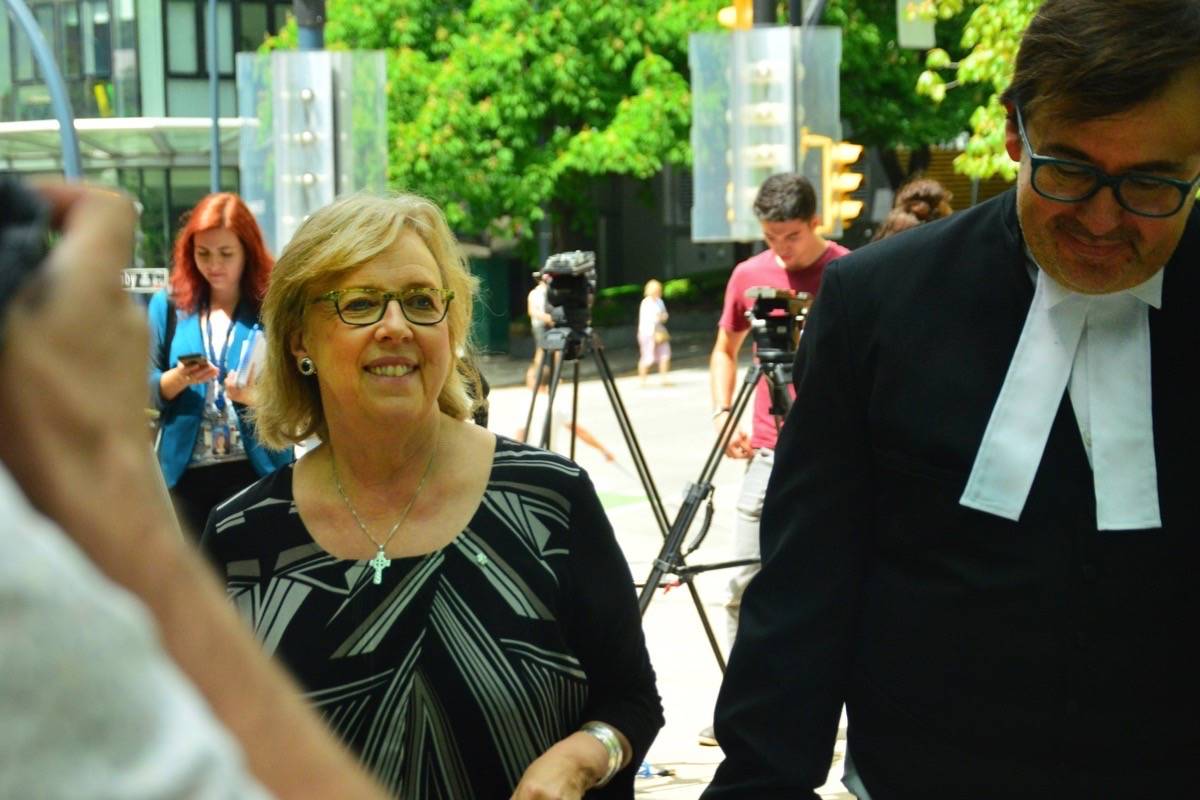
221	210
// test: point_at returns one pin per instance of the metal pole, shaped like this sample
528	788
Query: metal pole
60	101
310	24
795	13
764	12
214	99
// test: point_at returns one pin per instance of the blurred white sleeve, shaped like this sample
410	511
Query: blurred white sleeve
92	705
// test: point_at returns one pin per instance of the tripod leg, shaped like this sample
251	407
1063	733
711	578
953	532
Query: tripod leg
537	384
670	558
635	450
704	623
574	405
547	428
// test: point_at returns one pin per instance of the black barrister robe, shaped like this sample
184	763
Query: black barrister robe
978	657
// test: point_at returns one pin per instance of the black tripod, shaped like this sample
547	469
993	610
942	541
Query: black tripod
568	344
563	344
776	366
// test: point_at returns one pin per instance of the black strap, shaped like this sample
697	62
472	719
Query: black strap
170	332
164	347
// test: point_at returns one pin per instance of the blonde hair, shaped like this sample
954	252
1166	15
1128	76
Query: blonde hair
651	284
333	242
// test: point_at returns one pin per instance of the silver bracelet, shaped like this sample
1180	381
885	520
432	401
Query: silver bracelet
612	745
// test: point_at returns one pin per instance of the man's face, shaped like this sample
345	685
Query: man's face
1096	246
793	241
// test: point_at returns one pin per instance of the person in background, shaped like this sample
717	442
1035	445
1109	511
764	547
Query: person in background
918	201
539	322
795	259
217	284
654	343
455	603
987	549
123	671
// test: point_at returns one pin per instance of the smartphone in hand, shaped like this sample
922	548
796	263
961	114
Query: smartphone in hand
193	360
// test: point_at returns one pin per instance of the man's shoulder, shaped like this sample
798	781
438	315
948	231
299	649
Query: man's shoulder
763	258
755	267
836	250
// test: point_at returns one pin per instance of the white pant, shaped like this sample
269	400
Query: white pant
745	533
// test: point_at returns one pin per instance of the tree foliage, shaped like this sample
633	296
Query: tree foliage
500	109
879	97
990	37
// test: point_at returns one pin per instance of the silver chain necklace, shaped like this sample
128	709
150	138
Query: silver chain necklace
381	562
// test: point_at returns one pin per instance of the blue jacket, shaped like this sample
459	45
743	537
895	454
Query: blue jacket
179	423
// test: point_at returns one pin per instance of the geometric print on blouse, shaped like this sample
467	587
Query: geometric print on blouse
382	661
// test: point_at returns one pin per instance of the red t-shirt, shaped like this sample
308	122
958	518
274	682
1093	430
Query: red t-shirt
762	270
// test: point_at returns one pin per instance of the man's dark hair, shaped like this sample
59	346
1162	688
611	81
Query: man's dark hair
1088	59
785	196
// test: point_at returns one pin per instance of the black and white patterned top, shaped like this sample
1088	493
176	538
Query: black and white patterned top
464	665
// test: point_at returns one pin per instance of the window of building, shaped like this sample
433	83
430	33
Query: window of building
242	25
80	35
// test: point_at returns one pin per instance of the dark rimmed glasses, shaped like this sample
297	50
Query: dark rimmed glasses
360	306
1140	193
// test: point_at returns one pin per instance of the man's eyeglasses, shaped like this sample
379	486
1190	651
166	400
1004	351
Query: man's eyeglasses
1073	182
420	305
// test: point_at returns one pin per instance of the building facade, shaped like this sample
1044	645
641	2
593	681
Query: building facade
137	75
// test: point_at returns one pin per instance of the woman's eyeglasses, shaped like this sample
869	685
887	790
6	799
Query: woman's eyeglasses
420	305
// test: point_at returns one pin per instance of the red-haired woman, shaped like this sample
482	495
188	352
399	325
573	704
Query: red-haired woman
203	336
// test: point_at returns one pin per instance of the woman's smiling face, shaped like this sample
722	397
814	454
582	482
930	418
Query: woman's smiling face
392	369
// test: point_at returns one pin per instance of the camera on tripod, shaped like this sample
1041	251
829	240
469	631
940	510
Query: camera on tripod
776	321
571	288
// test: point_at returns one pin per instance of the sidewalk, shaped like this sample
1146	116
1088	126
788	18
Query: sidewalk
691	344
673	427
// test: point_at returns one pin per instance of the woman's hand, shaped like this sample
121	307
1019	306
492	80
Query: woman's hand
74	352
244	394
565	771
179	377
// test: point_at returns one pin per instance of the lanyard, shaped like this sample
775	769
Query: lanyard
219	362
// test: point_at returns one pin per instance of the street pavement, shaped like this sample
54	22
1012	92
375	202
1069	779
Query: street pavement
672	423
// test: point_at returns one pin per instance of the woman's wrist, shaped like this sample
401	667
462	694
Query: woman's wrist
607	736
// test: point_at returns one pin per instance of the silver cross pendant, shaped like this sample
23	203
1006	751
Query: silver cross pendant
379	563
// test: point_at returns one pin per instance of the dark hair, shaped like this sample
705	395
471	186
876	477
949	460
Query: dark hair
1089	59
924	198
785	196
221	210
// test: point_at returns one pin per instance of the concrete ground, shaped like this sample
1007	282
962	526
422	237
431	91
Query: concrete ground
672	423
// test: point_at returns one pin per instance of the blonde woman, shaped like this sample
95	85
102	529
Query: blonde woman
454	602
654	342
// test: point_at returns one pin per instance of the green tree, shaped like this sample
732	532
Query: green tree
503	109
880	102
990	37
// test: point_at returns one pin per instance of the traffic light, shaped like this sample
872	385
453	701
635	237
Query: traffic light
841	181
837	181
739	16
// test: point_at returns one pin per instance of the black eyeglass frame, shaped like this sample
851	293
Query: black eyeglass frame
1102	179
387	297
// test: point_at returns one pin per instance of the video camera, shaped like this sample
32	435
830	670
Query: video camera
24	240
776	321
571	288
